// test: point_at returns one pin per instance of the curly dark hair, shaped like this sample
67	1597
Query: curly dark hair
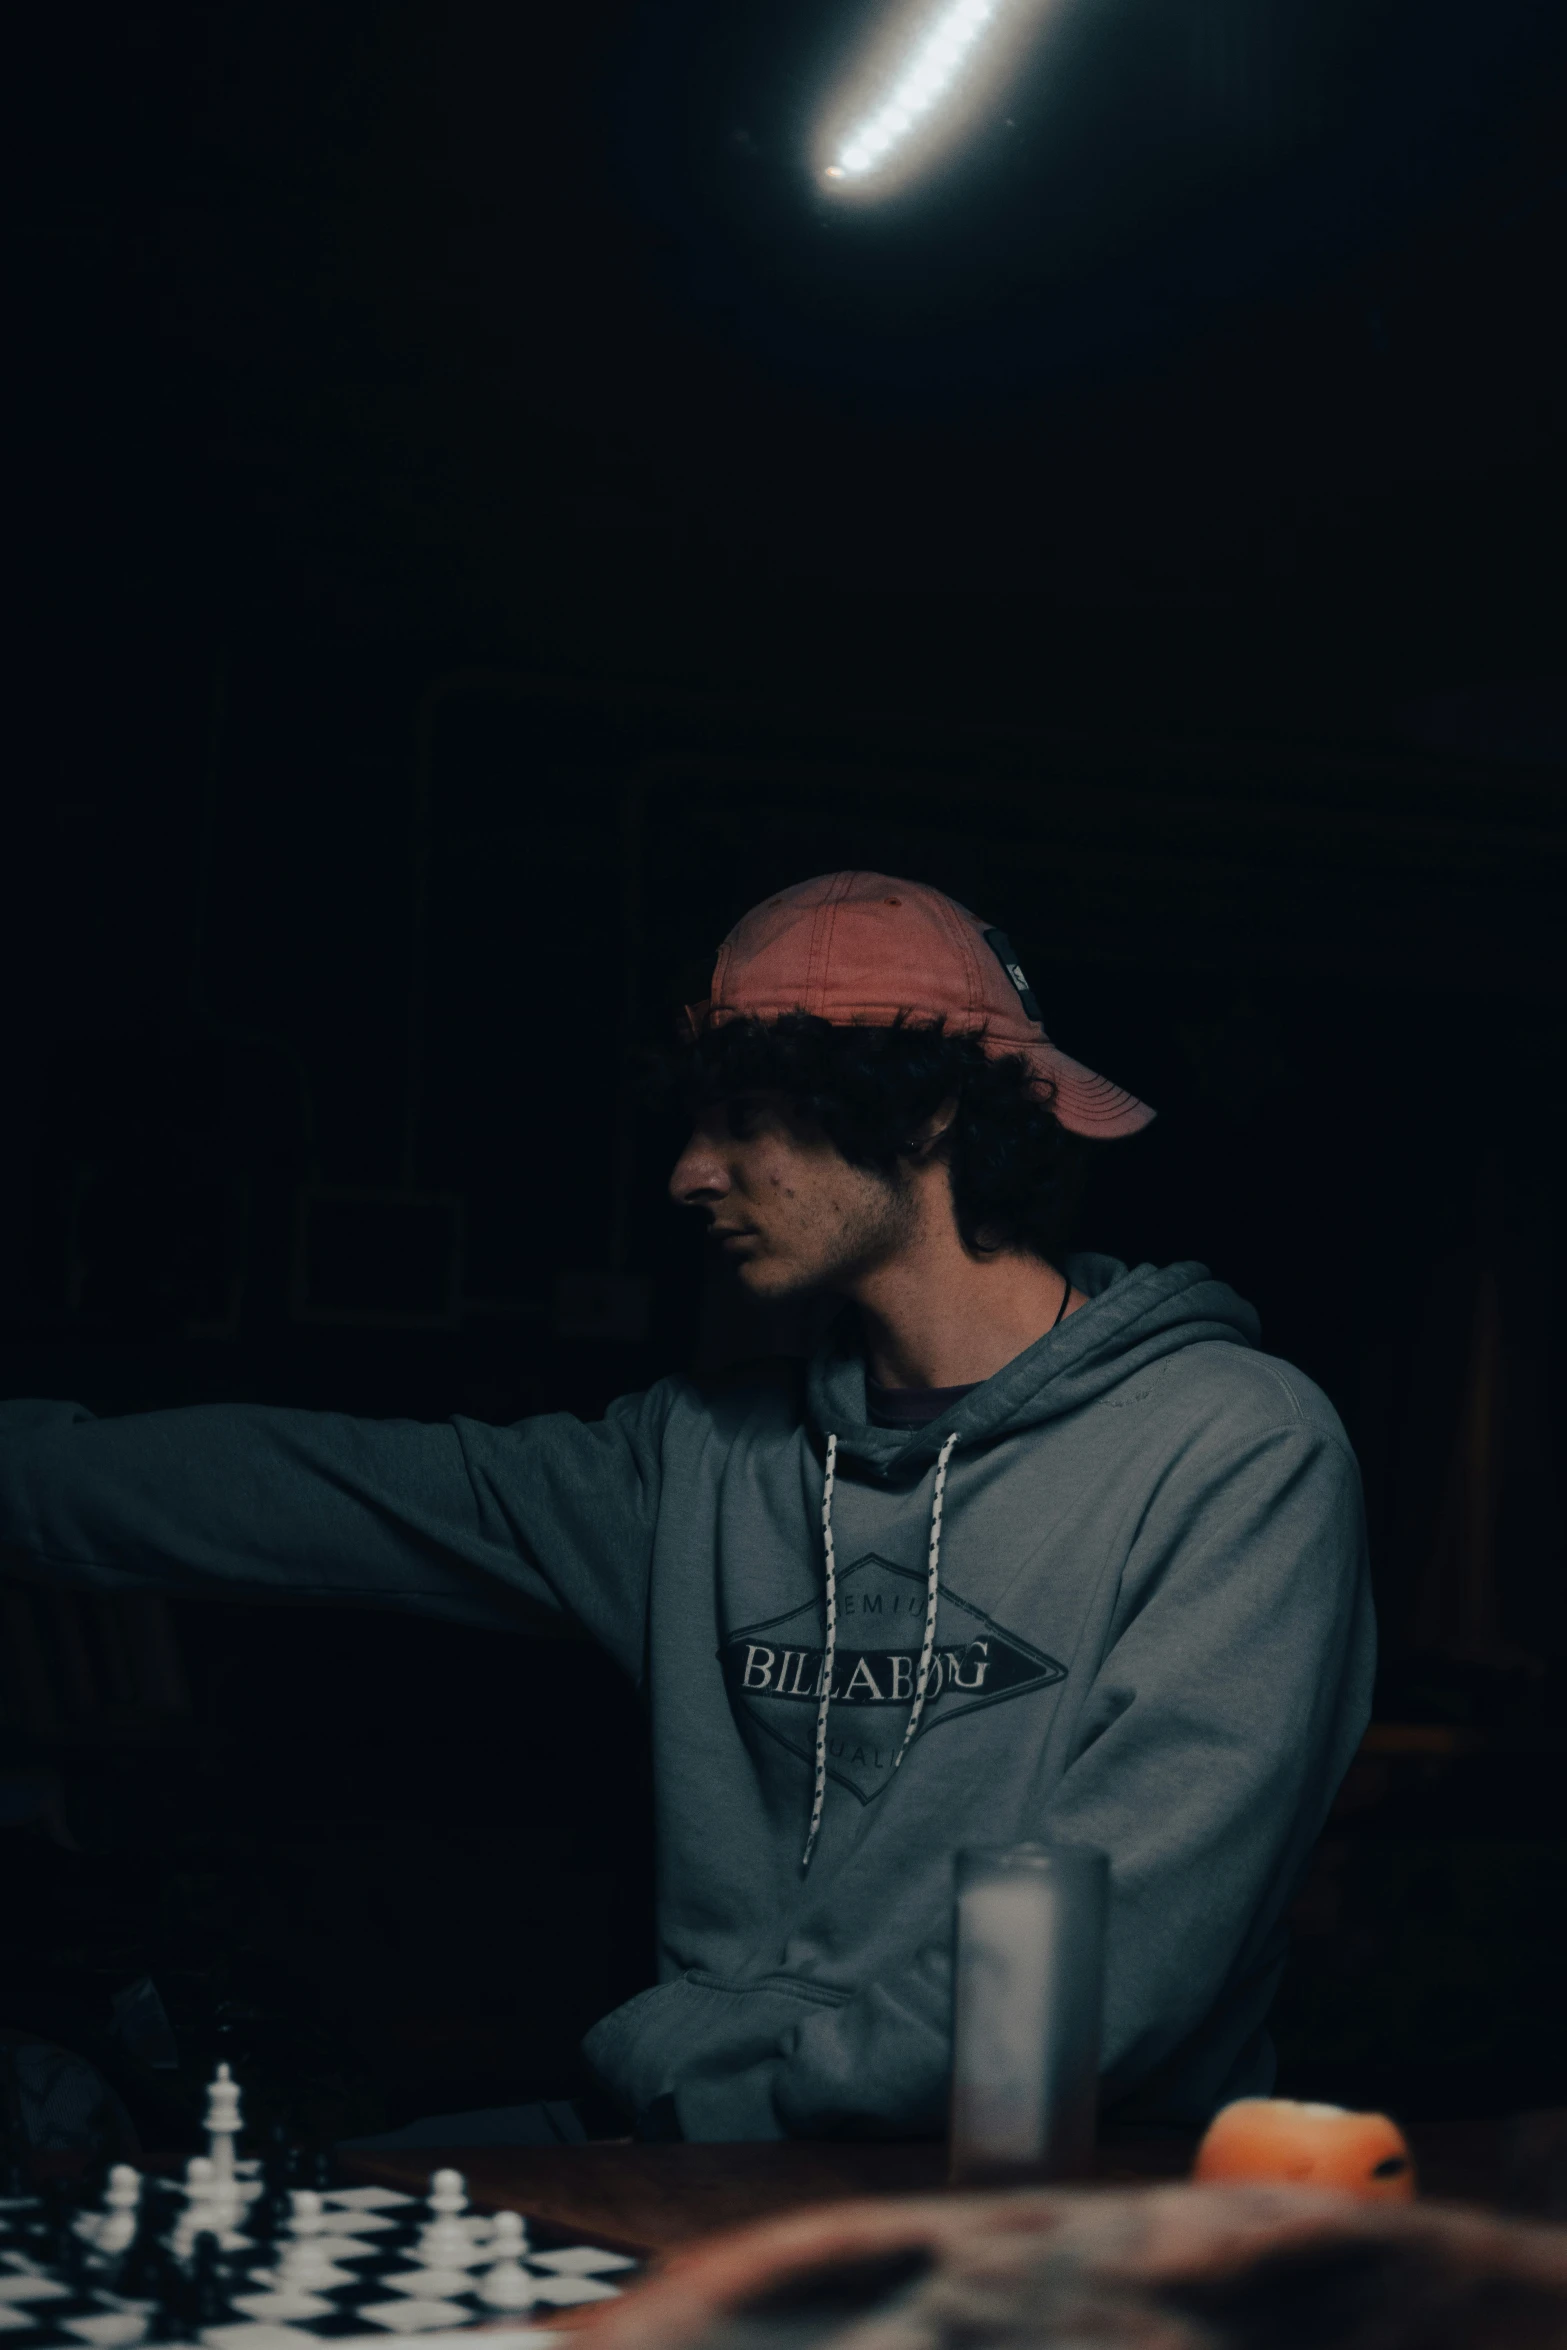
1016	1173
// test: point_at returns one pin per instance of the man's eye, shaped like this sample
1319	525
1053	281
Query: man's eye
742	1120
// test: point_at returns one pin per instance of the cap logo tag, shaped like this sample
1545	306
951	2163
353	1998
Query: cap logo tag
1001	947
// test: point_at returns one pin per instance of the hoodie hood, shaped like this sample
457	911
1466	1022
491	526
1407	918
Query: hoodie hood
1132	1318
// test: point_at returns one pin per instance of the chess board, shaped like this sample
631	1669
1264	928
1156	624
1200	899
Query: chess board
373	2284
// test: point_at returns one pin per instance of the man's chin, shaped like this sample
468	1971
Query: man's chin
769	1281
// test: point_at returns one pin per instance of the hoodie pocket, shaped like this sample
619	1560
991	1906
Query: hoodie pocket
786	1986
700	2027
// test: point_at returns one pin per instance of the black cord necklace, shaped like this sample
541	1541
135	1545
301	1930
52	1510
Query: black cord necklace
1066	1291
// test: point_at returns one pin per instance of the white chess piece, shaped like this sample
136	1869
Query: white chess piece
448	2194
508	2285
445	2241
304	2264
117	2226
223	2124
202	2215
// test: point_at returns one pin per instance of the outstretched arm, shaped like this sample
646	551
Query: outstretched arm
454	1519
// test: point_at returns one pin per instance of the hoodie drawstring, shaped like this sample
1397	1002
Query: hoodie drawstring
932	1595
830	1651
829	1654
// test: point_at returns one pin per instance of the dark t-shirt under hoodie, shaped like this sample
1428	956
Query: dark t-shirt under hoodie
910	1407
1150	1631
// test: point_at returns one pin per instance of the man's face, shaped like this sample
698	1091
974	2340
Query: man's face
787	1211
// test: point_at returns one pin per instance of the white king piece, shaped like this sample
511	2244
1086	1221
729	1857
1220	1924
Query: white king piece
223	2124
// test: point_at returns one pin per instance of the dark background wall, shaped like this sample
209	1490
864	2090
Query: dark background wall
485	523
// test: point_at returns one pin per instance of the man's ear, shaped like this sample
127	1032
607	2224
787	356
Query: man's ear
928	1136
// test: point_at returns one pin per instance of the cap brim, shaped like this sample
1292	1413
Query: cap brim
1087	1104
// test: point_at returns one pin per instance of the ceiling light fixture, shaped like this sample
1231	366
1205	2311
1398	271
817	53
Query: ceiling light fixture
913	92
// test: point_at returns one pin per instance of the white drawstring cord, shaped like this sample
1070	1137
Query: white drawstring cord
829	1656
932	1595
830	1653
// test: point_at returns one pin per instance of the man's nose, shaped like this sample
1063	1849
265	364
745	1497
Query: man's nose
700	1176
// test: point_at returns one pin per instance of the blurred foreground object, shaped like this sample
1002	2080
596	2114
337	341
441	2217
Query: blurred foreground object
1277	2138
1027	1994
1165	2268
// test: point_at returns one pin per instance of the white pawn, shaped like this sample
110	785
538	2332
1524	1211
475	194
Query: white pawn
448	2194
202	2215
304	2264
508	2285
117	2226
223	2124
444	2241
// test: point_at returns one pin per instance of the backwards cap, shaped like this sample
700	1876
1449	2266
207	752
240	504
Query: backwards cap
863	949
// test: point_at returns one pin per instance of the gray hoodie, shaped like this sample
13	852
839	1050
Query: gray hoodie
1151	1631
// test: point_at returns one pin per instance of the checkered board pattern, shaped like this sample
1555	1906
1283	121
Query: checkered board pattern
374	2289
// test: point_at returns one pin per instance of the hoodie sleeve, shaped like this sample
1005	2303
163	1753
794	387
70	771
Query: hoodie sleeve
1229	1704
481	1525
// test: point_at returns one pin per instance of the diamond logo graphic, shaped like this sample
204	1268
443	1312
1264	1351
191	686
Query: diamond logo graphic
773	1670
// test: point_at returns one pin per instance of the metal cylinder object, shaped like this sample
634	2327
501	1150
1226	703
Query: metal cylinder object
1028	1973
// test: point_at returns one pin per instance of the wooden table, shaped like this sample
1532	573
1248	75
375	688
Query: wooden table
647	2199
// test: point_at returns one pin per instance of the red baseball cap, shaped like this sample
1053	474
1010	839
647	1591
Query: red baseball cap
863	948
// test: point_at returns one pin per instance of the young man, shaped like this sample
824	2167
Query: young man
1031	1549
